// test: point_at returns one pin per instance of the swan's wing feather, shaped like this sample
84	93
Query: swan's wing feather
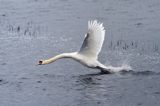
94	38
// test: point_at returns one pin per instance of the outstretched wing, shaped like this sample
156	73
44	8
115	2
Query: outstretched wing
93	41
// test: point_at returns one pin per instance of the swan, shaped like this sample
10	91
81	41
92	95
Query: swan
89	51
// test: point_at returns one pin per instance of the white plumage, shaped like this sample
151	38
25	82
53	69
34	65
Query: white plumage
88	53
93	40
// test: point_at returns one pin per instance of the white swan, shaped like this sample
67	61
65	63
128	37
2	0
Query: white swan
88	53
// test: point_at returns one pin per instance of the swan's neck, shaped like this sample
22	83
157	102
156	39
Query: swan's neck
63	55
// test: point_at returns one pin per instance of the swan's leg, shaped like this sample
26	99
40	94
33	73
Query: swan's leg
105	71
103	68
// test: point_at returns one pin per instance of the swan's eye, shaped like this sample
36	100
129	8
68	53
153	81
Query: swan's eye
40	62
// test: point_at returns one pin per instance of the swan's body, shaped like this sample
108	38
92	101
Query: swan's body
88	53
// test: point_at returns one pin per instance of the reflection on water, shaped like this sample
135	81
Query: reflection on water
92	90
99	89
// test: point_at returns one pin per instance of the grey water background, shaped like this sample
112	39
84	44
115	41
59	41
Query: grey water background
38	29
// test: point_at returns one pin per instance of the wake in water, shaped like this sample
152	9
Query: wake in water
137	73
127	69
125	72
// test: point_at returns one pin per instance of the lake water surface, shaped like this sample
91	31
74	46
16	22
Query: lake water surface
38	29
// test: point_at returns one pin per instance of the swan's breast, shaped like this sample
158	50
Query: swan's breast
89	62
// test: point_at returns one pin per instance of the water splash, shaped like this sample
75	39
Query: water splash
124	67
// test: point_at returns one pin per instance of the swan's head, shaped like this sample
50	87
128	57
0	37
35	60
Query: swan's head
43	62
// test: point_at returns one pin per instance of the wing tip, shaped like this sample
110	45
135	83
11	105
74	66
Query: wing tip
95	25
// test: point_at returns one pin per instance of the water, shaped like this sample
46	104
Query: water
37	29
